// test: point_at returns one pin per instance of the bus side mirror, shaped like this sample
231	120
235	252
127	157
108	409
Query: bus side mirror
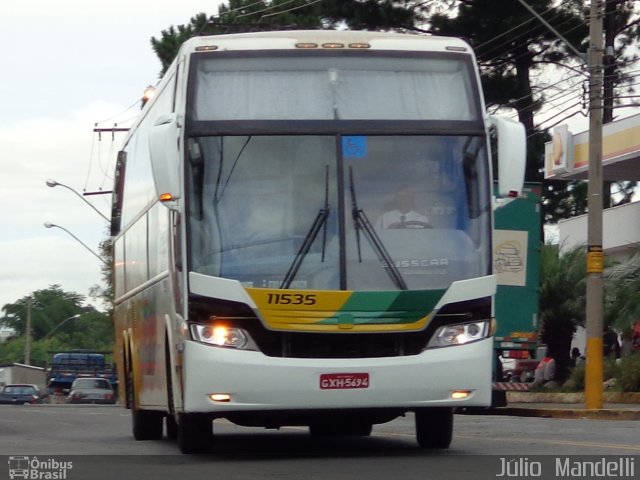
163	149
512	155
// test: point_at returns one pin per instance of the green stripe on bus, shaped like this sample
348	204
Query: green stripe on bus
386	307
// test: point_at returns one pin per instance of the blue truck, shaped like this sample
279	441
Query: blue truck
67	366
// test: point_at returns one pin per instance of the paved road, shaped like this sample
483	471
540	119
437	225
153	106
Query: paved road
102	433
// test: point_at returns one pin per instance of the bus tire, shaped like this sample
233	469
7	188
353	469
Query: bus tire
195	433
170	420
147	425
128	384
434	427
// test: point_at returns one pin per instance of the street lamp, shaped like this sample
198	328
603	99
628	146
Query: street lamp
52	183
77	315
52	225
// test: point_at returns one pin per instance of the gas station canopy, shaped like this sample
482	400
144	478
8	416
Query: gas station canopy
567	155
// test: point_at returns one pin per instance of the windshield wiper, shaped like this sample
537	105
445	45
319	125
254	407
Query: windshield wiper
320	220
360	221
217	197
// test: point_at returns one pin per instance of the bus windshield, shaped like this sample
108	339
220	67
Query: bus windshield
332	212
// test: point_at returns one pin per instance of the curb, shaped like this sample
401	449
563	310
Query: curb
575	413
576	397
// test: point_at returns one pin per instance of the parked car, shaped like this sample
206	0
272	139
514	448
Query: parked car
91	390
20	394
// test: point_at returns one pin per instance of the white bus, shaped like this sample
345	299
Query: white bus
302	229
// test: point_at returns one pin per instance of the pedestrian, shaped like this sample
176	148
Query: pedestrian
635	337
610	344
545	372
576	357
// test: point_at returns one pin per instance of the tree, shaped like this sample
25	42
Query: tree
238	16
563	297
105	292
511	45
53	327
562	300
47	308
622	308
251	15
621	31
563	199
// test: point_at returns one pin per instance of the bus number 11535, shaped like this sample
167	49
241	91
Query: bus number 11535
291	299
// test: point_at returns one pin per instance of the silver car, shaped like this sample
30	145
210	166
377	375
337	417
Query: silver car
91	390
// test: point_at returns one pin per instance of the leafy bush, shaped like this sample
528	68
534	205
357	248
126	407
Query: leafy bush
575	382
629	373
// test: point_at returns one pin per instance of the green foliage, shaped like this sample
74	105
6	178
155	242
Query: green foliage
251	15
562	287
105	292
575	382
562	300
523	46
622	308
628	375
53	326
563	199
47	307
12	350
373	14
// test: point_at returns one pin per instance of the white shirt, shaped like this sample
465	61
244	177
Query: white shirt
394	218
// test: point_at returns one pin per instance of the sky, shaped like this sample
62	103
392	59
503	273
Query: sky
68	65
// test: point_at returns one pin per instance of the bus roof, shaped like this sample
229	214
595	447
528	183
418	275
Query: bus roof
326	39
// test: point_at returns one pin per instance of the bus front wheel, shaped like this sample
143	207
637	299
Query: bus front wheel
195	433
434	427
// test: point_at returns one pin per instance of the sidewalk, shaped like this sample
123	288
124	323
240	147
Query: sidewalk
617	406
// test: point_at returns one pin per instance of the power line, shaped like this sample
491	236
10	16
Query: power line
290	9
270	7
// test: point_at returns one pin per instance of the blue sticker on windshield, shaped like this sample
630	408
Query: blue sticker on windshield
354	147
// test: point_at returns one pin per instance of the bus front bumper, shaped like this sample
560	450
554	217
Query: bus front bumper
244	381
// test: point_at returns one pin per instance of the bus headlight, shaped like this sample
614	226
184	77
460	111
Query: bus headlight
223	336
459	334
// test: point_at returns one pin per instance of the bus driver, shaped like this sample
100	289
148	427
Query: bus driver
403	214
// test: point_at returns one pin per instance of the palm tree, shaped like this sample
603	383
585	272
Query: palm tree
562	301
622	308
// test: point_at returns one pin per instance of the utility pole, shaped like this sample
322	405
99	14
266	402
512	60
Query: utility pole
27	341
595	256
608	79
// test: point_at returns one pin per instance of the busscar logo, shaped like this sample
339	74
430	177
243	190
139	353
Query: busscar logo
32	468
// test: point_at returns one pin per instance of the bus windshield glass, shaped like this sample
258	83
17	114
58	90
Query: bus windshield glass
329	212
320	87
